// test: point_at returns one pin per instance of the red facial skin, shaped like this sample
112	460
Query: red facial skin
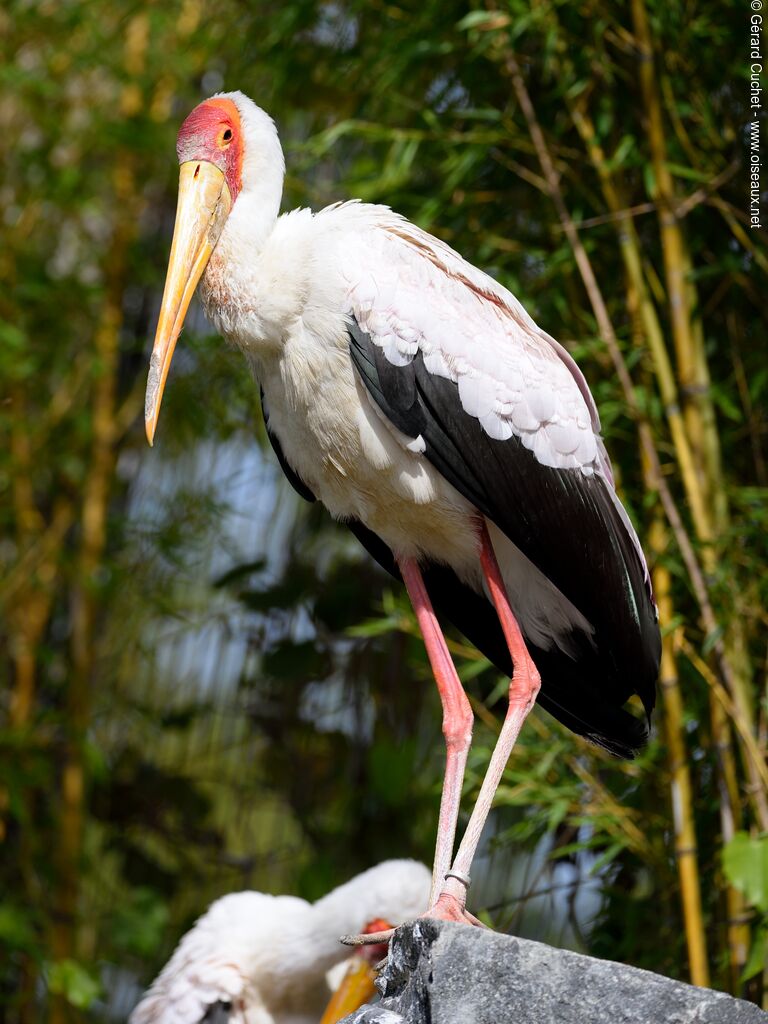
376	952
213	132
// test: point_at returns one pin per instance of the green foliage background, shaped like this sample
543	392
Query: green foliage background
208	686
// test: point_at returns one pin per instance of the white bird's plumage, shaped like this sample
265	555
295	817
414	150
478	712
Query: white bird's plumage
267	956
283	289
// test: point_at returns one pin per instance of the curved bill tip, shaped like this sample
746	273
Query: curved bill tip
151	399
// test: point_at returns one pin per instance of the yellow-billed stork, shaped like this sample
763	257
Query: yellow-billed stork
417	400
259	959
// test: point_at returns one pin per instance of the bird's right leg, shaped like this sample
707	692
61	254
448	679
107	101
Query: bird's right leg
523	689
457	719
457	729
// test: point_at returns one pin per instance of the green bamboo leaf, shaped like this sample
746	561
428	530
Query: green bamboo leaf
75	982
486	19
745	863
757	952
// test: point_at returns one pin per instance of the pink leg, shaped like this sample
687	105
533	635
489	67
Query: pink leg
457	719
523	688
457	726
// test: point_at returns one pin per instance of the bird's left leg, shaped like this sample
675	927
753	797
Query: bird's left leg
457	730
457	719
523	688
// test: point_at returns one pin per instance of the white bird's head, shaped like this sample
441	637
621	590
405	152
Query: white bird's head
227	147
259	959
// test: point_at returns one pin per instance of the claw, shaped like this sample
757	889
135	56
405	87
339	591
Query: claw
370	939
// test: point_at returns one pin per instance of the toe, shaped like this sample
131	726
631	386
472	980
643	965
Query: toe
368	939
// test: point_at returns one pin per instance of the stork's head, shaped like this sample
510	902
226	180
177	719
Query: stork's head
227	147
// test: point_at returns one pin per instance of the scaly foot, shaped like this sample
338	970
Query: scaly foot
449	906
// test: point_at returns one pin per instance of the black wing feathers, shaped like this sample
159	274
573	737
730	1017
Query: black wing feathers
564	522
567	690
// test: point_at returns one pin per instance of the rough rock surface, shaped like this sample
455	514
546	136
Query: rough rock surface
444	973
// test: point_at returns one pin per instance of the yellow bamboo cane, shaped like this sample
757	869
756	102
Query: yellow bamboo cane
686	850
692	366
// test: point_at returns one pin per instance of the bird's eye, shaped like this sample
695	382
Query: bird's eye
226	136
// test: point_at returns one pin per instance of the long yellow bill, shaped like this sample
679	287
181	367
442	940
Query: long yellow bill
355	989
203	207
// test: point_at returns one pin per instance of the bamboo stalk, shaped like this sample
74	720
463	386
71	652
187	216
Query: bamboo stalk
692	365
629	246
41	551
83	619
757	757
27	620
29	614
684	821
692	369
738	930
27	604
752	419
621	826
93	534
740	234
737	913
656	479
686	847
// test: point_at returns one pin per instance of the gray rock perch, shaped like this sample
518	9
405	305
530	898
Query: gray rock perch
444	973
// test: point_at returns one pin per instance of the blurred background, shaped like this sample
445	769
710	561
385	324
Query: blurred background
207	686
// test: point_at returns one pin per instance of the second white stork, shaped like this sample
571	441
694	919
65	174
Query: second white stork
253	958
417	400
